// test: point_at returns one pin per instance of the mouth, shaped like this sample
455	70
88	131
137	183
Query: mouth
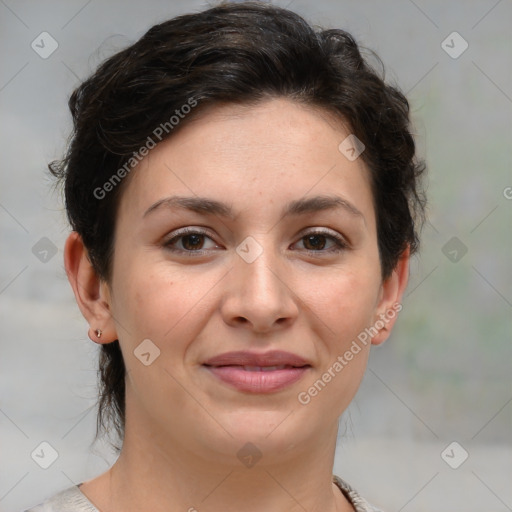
258	373
265	368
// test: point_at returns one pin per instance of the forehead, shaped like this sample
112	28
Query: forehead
256	155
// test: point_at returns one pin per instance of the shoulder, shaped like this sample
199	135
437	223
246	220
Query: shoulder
359	503
68	500
73	500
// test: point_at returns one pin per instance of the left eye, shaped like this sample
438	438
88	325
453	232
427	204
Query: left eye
317	242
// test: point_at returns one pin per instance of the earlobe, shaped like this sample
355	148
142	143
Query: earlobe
91	293
390	303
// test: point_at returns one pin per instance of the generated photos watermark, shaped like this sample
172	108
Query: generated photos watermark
363	338
158	133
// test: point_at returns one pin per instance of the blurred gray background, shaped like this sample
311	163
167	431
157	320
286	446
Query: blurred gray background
445	374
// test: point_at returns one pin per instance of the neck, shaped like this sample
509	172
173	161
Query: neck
154	472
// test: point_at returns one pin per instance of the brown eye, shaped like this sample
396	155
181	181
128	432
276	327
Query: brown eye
316	242
191	240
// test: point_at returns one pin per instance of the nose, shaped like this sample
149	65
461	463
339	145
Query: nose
258	294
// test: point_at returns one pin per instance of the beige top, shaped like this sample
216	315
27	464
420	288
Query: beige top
73	499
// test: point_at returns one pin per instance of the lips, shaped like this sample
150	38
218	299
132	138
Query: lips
258	373
266	368
267	359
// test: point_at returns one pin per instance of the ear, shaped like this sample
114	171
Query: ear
389	304
91	293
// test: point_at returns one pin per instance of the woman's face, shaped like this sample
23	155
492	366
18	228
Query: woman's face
258	280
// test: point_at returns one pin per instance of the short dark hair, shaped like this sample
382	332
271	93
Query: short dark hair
233	53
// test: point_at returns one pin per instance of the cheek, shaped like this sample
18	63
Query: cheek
158	302
347	302
345	312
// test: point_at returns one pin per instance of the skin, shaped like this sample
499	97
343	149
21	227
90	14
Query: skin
183	426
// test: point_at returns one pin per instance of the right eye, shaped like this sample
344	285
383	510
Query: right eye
192	241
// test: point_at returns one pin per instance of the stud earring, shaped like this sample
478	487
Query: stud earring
99	333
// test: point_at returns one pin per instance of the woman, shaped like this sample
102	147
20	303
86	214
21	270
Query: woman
244	197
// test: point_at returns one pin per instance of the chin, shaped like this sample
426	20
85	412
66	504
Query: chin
271	431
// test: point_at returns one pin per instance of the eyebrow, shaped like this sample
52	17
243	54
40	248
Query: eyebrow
207	206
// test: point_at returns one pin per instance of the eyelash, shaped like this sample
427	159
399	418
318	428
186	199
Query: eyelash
341	244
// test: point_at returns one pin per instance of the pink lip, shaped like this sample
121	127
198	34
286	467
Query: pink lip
229	368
